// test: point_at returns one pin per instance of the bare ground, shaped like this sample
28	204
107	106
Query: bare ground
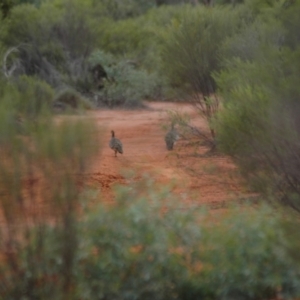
211	180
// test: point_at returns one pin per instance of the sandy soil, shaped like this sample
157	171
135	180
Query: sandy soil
202	179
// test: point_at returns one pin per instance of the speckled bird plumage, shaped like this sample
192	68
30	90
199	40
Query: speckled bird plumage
115	144
171	137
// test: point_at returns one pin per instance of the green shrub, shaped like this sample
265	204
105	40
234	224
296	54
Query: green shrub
39	267
246	256
39	186
125	251
69	98
124	85
259	126
126	38
29	96
191	53
192	46
135	251
52	40
125	9
149	245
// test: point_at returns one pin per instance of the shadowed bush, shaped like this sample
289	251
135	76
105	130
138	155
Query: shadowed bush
39	185
124	85
69	98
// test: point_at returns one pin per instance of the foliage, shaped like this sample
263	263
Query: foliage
127	9
148	245
38	187
124	85
139	40
290	21
233	2
52	41
5	7
29	96
265	6
254	264
258	125
119	10
127	251
70	98
191	53
124	38
248	44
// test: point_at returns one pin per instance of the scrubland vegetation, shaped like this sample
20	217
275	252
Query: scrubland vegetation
237	62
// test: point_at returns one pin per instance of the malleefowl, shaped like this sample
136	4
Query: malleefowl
171	137
115	144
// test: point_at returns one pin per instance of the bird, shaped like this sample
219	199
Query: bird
171	137
115	144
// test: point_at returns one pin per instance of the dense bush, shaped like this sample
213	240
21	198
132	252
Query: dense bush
119	10
254	264
148	246
28	96
259	125
69	98
123	83
39	186
52	40
55	40
126	38
191	53
135	251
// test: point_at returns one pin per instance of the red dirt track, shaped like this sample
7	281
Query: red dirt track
203	179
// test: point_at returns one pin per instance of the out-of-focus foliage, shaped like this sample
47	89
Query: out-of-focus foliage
27	96
184	254
125	38
233	2
41	159
256	241
34	96
149	246
124	9
128	250
5	7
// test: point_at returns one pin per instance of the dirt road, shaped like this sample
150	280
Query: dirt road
203	179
